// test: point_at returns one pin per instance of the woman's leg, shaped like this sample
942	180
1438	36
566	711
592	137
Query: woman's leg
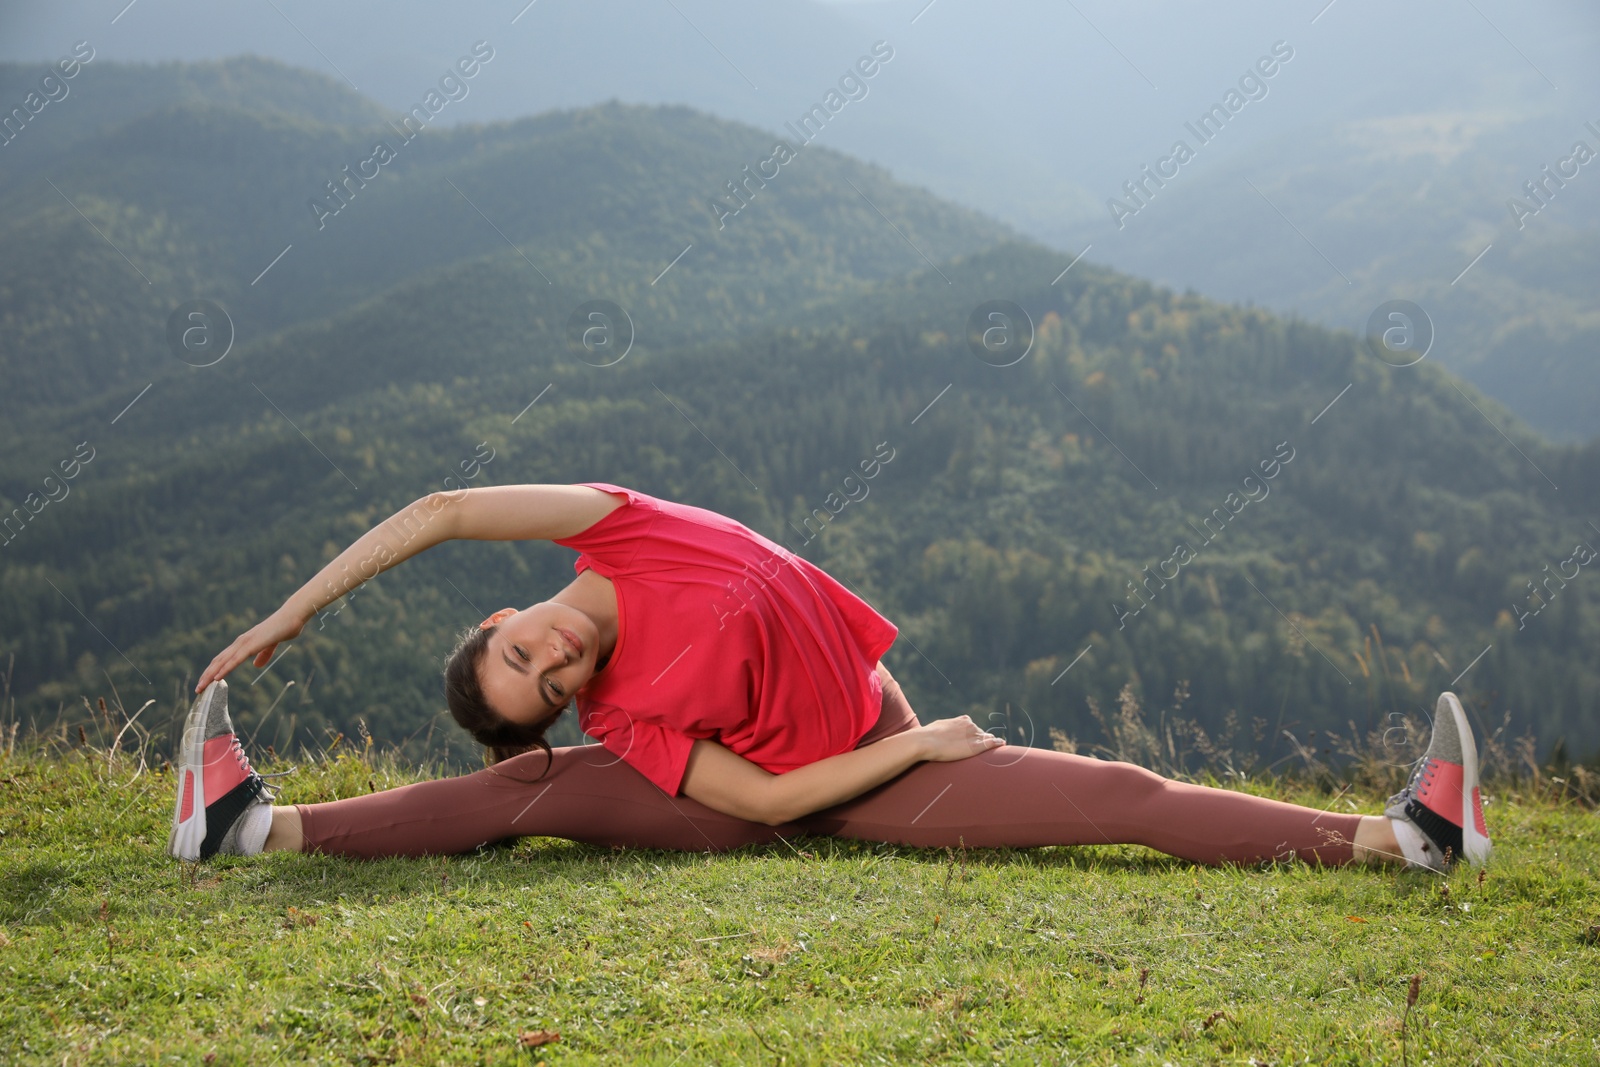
1020	797
1023	797
285	834
1010	796
588	795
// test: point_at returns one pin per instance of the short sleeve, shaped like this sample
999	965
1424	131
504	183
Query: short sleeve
609	546
658	752
632	496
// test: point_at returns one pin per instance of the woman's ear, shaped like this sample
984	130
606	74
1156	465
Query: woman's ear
497	618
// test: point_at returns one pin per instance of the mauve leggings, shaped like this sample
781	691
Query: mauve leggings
1010	796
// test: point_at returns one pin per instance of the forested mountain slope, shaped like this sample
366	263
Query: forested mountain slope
1163	491
1002	536
192	198
1433	208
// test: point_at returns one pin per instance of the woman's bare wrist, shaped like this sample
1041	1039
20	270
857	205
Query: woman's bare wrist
299	608
917	741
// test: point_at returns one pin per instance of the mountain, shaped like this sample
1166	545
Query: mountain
206	200
1163	492
1396	162
1411	207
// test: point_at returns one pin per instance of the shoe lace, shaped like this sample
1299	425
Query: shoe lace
1419	768
268	790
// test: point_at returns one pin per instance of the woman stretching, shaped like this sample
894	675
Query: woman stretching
737	694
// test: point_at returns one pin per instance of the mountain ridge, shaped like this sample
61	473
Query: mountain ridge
1030	506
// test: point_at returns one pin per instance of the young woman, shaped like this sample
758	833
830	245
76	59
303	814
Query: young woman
738	696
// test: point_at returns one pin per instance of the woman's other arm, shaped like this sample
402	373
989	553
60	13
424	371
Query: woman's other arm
727	782
498	513
524	512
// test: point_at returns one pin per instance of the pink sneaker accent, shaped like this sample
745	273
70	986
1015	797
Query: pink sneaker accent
1439	788
225	766
186	806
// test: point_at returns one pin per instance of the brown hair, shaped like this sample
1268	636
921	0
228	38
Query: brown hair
463	692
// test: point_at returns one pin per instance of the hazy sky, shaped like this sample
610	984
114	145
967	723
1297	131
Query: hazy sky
1089	85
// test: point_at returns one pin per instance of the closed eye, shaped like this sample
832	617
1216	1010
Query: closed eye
557	697
514	664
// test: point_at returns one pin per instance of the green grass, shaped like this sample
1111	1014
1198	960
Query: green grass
830	952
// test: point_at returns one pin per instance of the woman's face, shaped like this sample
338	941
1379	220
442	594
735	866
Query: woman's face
537	659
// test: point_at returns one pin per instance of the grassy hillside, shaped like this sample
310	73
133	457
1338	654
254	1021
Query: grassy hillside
816	951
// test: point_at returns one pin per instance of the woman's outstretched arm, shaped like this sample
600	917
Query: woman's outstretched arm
492	513
727	782
524	512
418	526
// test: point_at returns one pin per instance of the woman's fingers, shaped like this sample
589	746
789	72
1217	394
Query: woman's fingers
961	738
984	740
217	670
211	673
230	657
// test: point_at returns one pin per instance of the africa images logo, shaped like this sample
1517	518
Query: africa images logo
852	85
1252	85
53	89
453	87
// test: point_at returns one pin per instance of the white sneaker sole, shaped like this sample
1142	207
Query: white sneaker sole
1475	845
189	834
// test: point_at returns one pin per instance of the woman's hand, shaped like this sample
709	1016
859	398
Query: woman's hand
261	640
948	740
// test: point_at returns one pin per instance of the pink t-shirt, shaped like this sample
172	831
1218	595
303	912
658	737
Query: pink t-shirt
727	636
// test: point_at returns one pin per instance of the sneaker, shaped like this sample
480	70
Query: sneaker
222	801
1442	801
